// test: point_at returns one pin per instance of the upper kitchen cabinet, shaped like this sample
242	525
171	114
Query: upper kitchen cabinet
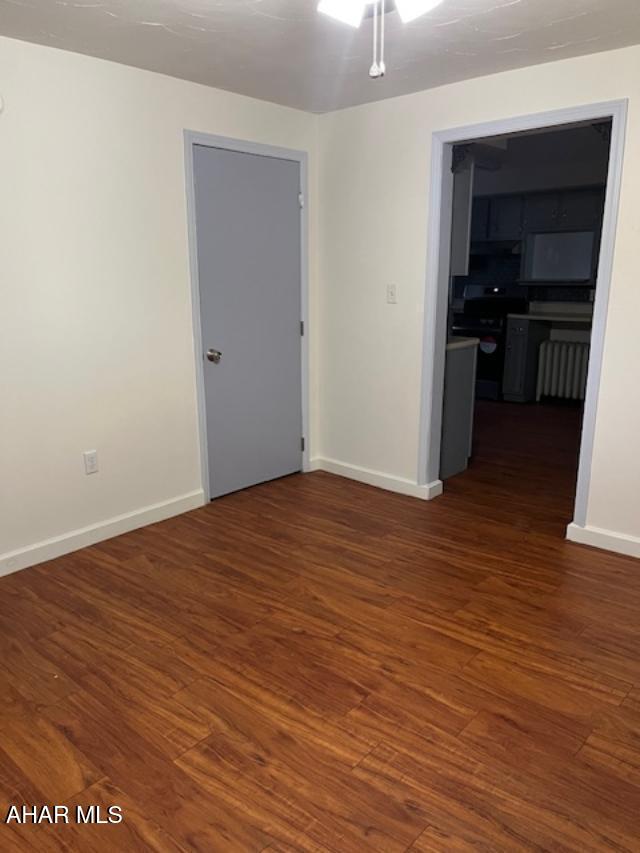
541	211
569	210
581	210
505	217
512	217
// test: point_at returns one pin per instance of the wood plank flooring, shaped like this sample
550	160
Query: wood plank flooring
316	665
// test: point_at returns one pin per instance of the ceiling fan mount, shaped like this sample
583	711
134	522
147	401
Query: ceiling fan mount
353	12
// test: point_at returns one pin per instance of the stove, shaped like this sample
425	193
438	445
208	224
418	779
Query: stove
482	313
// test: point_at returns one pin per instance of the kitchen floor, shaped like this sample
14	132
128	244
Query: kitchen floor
524	465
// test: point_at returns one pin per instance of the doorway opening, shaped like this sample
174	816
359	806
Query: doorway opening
521	250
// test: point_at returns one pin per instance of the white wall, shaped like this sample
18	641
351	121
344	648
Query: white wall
374	166
96	346
95	316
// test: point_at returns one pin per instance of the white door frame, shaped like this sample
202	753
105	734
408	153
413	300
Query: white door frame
242	146
437	282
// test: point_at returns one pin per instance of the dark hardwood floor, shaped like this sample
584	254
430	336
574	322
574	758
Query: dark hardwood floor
523	455
315	665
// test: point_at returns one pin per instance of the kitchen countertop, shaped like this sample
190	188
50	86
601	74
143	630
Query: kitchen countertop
585	319
462	343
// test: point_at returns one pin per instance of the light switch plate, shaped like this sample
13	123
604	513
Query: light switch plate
392	294
90	461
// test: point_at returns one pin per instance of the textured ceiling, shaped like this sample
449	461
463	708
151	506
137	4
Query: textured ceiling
284	51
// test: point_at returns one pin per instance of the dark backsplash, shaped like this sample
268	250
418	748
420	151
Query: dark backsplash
503	269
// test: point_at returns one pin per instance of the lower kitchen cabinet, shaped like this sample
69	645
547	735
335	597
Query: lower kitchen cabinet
521	358
458	405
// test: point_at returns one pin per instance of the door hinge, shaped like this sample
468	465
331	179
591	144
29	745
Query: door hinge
301	200
302	444
302	327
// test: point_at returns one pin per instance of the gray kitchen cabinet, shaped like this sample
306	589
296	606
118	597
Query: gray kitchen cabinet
480	220
541	211
568	210
524	337
505	217
511	217
458	405
581	210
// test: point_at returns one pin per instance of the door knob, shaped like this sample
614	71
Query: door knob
214	355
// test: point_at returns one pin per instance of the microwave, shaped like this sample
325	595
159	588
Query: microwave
560	257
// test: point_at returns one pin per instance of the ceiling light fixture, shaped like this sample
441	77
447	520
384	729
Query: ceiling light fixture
352	12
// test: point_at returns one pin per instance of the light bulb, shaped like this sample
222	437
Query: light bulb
348	11
409	10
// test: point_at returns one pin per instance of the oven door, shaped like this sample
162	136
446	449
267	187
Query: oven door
491	355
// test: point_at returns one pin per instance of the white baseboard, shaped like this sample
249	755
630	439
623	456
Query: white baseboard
608	540
378	479
13	561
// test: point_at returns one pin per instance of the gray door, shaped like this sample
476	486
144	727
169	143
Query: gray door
248	242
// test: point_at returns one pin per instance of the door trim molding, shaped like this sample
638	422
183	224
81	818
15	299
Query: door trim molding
436	285
242	146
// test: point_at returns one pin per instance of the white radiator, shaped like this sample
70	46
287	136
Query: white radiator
562	370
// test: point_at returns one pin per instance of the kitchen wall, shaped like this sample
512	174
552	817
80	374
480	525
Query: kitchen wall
580	173
96	348
375	162
535	162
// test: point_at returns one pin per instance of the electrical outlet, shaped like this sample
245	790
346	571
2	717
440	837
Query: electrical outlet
392	294
90	461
